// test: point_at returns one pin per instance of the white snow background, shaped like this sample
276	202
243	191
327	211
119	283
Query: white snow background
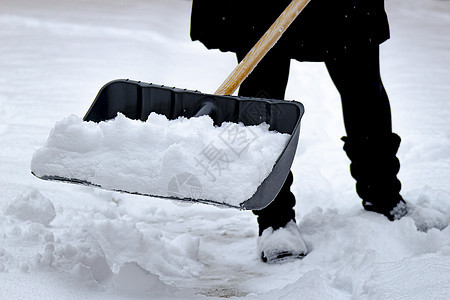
60	241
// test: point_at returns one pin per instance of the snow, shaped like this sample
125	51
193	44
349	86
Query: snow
56	55
32	206
150	158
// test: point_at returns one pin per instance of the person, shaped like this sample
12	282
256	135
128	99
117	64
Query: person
345	35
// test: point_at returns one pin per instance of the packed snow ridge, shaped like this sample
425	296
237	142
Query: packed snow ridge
185	158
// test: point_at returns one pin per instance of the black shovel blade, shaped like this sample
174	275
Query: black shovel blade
136	100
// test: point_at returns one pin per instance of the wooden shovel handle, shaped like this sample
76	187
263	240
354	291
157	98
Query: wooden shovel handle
267	41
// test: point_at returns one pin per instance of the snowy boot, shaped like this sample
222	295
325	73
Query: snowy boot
279	238
374	166
282	244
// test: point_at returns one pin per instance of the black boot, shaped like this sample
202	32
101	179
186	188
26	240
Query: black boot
374	166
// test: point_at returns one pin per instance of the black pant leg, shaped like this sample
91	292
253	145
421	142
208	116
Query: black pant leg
270	77
365	104
370	143
269	80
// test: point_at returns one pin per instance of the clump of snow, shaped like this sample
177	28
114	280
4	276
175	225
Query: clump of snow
311	285
32	206
89	263
187	245
100	248
428	215
399	211
133	279
187	158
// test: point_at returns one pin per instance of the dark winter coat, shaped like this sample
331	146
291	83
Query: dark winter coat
324	29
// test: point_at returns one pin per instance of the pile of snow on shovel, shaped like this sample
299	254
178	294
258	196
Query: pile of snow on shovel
185	158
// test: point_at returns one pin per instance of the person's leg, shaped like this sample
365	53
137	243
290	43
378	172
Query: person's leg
279	237
370	143
270	77
365	103
269	80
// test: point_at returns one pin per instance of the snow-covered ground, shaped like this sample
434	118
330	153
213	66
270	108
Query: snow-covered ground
59	241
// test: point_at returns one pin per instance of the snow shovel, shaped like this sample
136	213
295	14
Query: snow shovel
137	100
